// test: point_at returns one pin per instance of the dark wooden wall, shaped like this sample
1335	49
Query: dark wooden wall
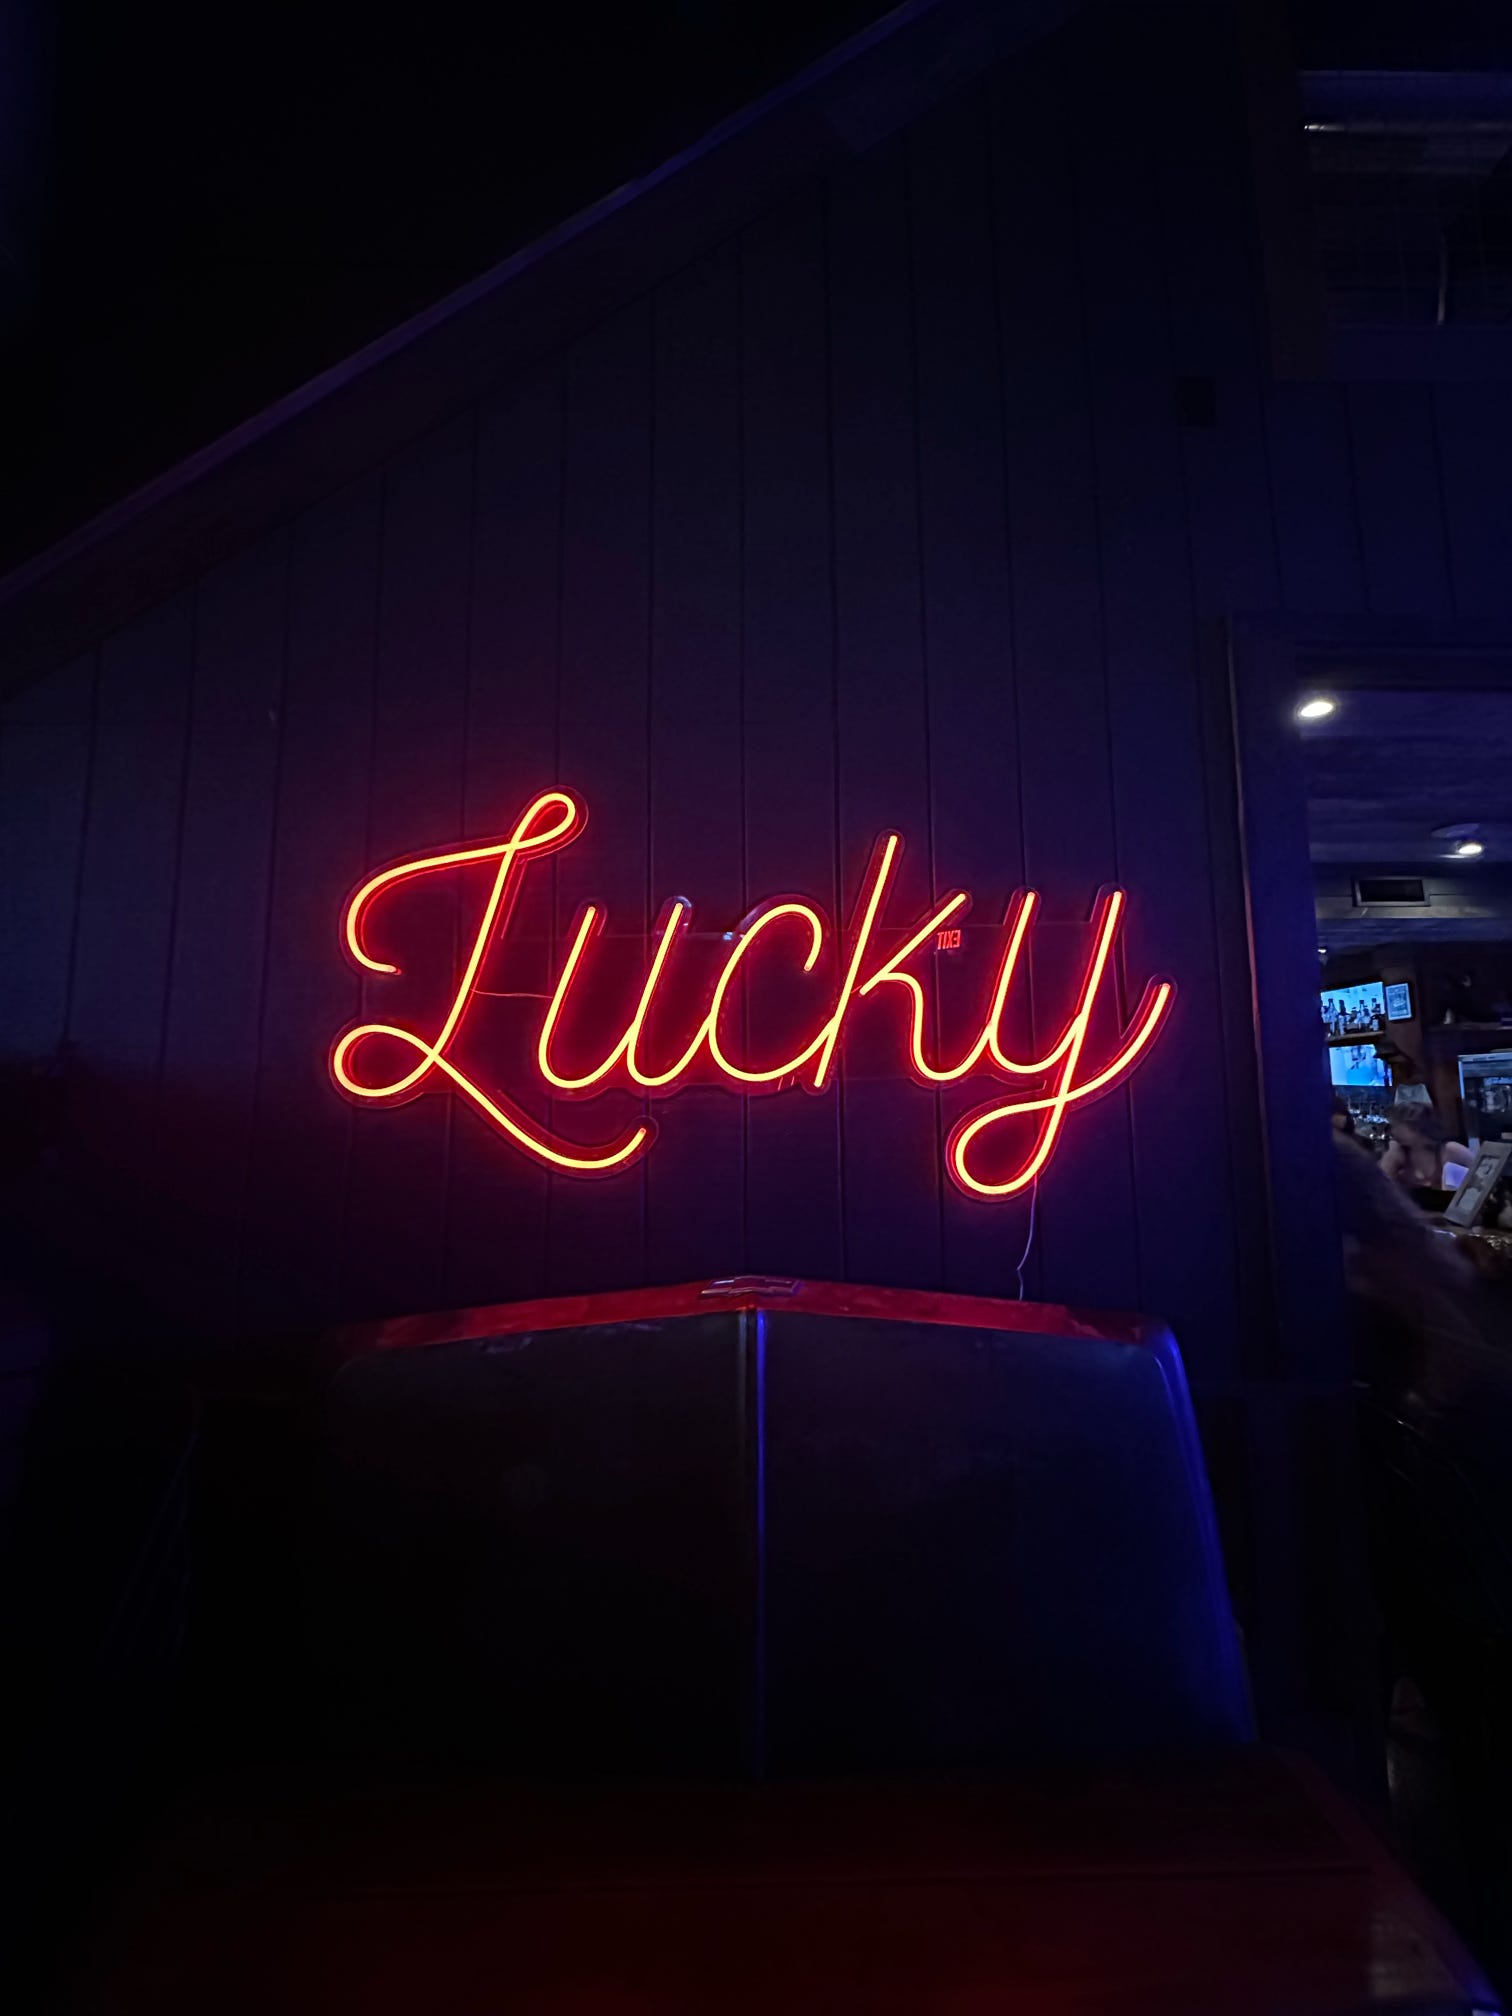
901	508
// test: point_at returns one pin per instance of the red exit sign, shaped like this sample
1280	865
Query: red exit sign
948	941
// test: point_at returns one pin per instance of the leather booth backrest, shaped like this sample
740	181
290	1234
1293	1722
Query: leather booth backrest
826	1530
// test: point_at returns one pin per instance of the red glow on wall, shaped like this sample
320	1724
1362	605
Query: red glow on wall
717	1044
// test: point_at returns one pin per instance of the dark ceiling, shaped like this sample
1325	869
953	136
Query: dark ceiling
1384	773
1389	768
1401	34
201	209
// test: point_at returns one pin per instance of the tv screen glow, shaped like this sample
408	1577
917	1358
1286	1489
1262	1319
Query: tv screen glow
1356	1064
1354	1011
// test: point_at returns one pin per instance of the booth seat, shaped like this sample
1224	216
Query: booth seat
771	1527
759	1645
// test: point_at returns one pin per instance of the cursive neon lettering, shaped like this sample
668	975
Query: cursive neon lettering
750	930
550	822
797	933
1064	1058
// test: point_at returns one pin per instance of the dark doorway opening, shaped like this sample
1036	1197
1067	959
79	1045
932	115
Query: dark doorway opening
1378	853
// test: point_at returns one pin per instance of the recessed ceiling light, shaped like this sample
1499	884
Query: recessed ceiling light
1317	707
1469	848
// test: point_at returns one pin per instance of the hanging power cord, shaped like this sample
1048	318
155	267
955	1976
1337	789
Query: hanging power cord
1023	1259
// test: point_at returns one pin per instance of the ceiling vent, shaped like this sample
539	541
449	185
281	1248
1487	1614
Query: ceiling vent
1393	889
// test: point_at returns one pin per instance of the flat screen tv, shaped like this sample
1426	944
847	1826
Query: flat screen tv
1357	1064
1354	1011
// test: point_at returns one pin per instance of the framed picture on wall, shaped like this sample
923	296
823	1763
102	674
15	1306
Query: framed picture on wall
1399	1001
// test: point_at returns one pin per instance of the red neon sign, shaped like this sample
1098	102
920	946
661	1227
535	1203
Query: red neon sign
650	1053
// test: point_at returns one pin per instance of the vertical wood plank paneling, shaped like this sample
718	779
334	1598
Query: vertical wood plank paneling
696	1174
982	316
1062	690
296	1194
1194	113
974	785
498	1195
396	1232
1186	1246
45	734
1312	471
1399	499
1473	425
1292	1643
886	514
891	1175
597	1227
1194	110
1205	225
1070	840
215	983
1309	1342
793	1222
125	935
